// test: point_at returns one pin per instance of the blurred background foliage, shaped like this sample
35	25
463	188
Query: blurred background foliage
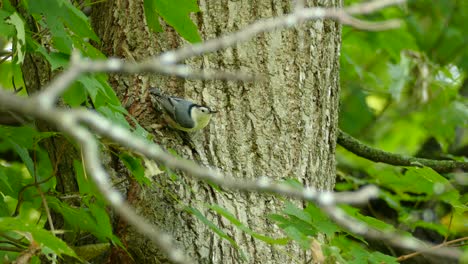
406	91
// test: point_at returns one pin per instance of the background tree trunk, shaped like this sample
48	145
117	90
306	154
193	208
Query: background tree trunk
281	128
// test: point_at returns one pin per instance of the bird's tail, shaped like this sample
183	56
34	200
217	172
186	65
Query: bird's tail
155	91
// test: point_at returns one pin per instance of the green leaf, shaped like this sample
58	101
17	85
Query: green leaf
139	130
415	181
24	155
61	17
112	115
305	222
44	170
56	59
76	20
17	176
378	258
87	49
5	187
394	41
11	71
94	220
84	184
100	92
194	211
450	115
60	37
135	166
370	221
351	251
297	236
92	86
294	183
151	16
4	209
292	210
321	221
44	238
272	241
278	218
441	229
77	218
103	223
355	113
7	30
20	44
75	95
177	14
91	251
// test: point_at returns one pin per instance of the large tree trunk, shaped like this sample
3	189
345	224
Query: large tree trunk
280	128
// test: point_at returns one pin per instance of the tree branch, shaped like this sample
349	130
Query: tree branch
355	146
444	244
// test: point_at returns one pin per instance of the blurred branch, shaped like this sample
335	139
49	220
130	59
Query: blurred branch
371	6
78	124
79	66
300	15
355	146
167	63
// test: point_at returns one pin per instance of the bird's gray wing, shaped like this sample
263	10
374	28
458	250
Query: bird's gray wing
182	113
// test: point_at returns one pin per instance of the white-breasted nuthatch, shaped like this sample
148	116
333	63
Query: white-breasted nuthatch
180	113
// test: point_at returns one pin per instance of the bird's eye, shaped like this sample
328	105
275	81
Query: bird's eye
204	110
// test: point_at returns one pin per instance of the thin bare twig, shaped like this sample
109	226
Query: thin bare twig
441	245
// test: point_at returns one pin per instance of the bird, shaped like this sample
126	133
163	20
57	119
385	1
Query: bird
181	114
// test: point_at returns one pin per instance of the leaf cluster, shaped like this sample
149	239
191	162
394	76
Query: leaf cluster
52	30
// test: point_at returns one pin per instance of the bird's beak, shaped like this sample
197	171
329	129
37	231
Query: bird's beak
213	111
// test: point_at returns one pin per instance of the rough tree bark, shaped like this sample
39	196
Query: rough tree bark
281	128
37	74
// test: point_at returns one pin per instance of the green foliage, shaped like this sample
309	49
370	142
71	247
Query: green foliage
135	166
20	37
199	215
233	220
400	76
58	28
304	225
45	239
345	250
67	24
21	212
404	91
28	173
176	16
